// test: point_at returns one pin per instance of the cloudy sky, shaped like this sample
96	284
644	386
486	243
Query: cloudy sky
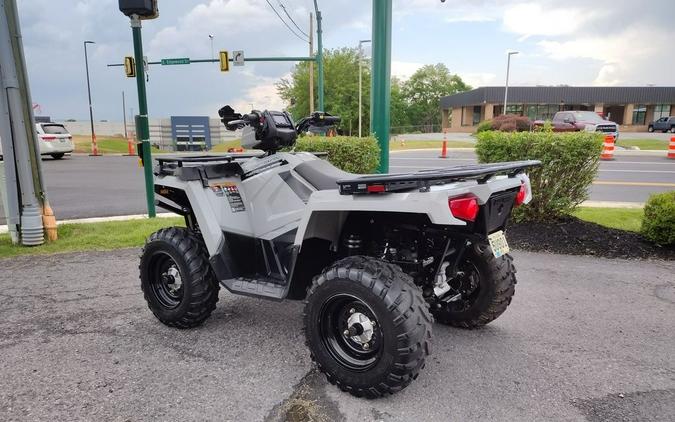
573	42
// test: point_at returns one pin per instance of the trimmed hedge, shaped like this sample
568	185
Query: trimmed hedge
658	223
352	154
569	165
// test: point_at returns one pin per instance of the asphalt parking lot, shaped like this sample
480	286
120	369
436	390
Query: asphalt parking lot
584	339
83	186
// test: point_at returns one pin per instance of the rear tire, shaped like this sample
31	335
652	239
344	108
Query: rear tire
57	156
491	285
672	129
176	278
390	312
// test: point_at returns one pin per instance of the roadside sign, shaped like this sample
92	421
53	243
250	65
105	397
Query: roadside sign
129	67
224	61
179	60
238	57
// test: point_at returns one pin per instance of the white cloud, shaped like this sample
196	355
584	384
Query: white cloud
528	19
478	79
404	70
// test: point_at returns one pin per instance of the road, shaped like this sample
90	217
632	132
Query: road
83	186
584	339
468	137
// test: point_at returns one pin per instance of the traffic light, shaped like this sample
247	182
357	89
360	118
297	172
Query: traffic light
130	67
224	61
145	9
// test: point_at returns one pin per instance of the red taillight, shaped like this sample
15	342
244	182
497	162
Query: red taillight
48	137
465	208
375	188
521	195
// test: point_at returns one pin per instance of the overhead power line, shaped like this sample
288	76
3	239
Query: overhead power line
289	17
285	23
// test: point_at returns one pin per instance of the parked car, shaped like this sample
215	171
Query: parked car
54	139
577	121
664	124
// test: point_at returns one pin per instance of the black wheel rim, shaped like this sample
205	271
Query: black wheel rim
334	321
467	284
166	282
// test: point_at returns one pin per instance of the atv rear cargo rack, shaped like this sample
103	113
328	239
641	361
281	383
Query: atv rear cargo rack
424	179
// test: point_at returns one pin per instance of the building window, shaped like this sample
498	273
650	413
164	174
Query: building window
661	110
476	115
514	109
639	114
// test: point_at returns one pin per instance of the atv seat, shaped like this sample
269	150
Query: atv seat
321	174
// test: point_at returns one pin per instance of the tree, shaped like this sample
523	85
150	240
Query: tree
341	88
399	107
424	90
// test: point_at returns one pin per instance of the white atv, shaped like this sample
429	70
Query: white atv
372	256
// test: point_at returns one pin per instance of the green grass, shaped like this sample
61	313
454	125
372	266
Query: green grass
106	145
396	145
643	143
225	145
628	219
92	237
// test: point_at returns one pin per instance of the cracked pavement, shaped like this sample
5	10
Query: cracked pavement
584	339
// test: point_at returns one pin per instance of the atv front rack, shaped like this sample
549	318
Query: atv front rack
424	179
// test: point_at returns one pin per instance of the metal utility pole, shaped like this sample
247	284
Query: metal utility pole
213	56
94	148
360	81
311	64
319	54
380	91
27	200
124	116
506	86
142	119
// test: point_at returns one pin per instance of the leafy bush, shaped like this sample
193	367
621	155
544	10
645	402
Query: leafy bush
352	154
569	165
658	223
520	123
484	126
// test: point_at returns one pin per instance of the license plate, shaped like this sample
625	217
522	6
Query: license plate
498	243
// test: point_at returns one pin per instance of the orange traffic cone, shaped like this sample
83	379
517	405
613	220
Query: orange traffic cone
671	148
608	148
444	150
130	147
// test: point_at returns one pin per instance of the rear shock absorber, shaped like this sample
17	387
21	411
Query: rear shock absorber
352	244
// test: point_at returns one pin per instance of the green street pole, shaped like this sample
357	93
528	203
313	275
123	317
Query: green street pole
381	82
319	55
143	126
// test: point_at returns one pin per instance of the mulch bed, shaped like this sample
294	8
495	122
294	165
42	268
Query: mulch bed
572	236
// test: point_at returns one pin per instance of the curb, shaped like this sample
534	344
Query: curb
4	229
612	204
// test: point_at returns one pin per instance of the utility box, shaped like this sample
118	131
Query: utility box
145	9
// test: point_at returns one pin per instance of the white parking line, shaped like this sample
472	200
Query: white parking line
636	171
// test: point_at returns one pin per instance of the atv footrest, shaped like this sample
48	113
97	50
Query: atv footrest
255	287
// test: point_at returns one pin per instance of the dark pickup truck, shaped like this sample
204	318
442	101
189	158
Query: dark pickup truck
577	121
664	124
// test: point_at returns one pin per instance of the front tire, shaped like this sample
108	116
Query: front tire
367	326
650	129
486	284
58	156
672	129
176	278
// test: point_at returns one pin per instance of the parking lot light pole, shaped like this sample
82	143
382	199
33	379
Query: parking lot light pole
360	81
142	120
94	148
506	87
380	85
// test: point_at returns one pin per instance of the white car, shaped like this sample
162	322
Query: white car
54	140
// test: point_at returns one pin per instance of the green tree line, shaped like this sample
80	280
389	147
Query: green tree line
414	102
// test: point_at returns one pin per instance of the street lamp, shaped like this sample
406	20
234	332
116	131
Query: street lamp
506	87
94	149
360	79
212	54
